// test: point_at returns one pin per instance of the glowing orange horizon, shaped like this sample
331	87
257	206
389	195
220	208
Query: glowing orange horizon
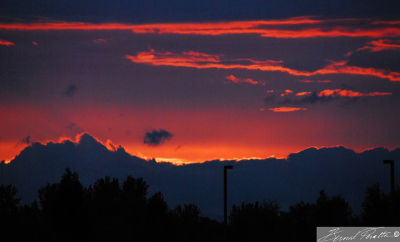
159	156
162	154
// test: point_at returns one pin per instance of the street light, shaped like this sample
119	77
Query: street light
226	193
391	163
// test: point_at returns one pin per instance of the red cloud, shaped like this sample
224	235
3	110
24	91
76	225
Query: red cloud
309	28
387	22
205	61
379	45
286	109
235	79
349	93
99	41
6	43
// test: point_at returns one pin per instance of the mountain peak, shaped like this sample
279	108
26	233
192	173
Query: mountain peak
88	142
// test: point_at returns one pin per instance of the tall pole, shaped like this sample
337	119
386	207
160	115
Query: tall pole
226	193
391	163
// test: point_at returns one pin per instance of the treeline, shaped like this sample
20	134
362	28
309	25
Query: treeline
112	211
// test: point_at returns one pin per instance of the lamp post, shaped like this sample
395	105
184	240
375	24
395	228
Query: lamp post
391	163
226	167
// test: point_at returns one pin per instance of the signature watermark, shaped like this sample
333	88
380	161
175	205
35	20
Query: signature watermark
336	234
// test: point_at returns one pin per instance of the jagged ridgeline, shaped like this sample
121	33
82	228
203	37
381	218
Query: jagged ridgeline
286	181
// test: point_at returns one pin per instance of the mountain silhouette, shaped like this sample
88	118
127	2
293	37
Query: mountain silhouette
337	170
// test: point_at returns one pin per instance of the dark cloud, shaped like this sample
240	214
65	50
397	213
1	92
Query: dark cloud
312	98
26	140
157	137
71	90
74	128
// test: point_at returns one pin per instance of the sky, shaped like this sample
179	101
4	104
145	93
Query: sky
190	81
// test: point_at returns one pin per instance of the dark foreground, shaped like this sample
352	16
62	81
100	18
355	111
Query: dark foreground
112	211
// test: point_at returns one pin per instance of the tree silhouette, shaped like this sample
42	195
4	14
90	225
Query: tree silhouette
333	211
380	208
64	207
8	210
105	209
252	221
109	211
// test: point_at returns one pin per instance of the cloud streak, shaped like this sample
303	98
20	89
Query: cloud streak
286	109
326	95
305	27
381	44
349	93
237	80
6	43
199	60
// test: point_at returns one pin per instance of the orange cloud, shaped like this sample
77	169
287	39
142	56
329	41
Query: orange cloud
6	43
379	45
235	79
286	109
303	93
341	67
205	61
286	92
258	27
349	93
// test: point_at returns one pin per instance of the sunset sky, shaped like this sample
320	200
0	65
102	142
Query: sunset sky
201	80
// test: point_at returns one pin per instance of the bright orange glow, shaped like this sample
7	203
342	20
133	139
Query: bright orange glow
206	61
259	27
286	109
200	134
379	45
286	92
303	93
235	79
6	43
350	93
